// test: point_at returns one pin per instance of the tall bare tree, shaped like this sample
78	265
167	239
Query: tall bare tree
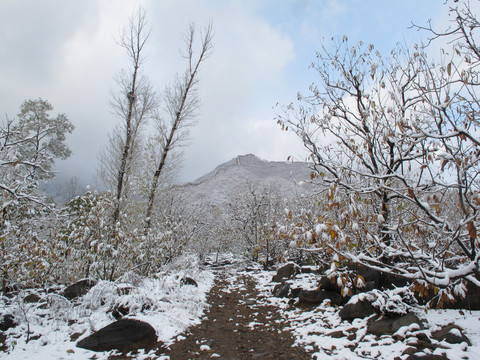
134	103
180	104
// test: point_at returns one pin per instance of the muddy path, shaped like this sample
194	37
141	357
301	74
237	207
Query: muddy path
236	326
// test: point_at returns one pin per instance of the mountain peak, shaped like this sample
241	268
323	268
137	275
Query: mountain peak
248	159
228	179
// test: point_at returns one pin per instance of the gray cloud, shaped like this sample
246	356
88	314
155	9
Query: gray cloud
64	51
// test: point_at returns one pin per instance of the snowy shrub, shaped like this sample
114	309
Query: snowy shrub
188	264
394	302
30	145
130	278
59	306
103	294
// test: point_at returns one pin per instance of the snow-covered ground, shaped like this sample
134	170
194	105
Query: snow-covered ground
312	328
55	325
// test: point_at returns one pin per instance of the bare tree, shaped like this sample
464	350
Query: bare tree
134	103
180	104
253	216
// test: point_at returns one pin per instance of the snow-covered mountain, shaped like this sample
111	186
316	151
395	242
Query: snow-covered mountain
228	179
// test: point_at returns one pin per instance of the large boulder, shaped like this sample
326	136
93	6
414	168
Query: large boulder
316	297
287	271
359	309
388	326
78	289
124	335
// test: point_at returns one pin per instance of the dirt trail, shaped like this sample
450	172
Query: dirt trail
236	326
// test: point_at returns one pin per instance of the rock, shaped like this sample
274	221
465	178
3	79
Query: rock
351	336
188	281
32	298
360	310
423	337
7	322
310	270
316	297
10	290
369	286
124	335
380	280
328	284
369	275
422	344
281	290
286	272
389	326
336	334
472	300
306	270
78	289
410	350
119	311
250	302
294	292
452	334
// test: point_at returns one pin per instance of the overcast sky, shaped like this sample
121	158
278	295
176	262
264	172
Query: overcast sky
65	52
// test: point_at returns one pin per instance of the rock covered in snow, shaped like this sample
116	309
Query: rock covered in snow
452	334
388	326
357	310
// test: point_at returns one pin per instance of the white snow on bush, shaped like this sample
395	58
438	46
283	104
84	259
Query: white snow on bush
163	302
